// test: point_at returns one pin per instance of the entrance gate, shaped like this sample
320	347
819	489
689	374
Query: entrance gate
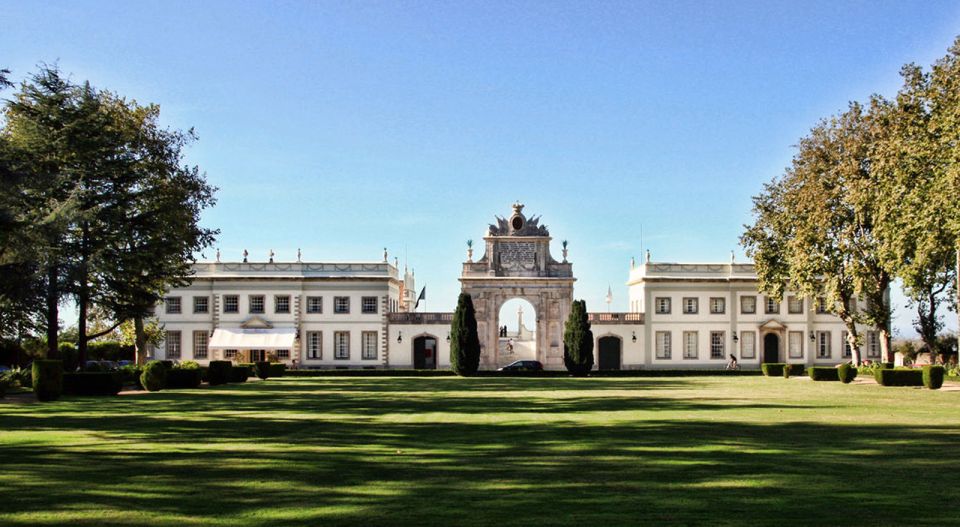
608	353
517	264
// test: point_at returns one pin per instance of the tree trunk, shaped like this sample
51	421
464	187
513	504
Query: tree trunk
140	341
53	313
83	301
854	349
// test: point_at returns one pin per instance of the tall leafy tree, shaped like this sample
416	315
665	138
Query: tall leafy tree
915	242
578	340
814	227
464	340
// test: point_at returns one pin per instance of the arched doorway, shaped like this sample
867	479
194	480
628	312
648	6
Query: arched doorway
516	331
771	348
608	353
425	353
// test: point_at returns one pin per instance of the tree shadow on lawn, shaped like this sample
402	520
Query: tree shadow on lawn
309	459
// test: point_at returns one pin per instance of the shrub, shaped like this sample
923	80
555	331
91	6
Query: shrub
772	369
277	369
250	366
901	377
6	381
47	379
263	370
933	376
878	369
130	374
109	350
154	376
238	373
168	364
219	372
578	340
796	369
787	370
847	372
465	342
823	373
187	365
184	378
69	356
92	383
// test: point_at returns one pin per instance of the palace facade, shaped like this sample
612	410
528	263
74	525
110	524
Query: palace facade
361	314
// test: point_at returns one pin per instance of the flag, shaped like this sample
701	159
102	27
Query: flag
423	296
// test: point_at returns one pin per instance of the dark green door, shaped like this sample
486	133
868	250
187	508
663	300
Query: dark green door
608	353
425	353
771	348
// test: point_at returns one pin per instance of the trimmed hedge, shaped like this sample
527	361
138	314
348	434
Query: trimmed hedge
219	372
772	369
47	379
278	369
184	378
933	376
823	373
92	383
901	377
238	374
263	370
154	376
796	369
847	372
879	369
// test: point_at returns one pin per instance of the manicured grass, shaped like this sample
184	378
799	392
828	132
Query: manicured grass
487	451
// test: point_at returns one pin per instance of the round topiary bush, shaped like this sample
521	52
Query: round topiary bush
218	372
933	376
847	372
263	370
47	379
154	376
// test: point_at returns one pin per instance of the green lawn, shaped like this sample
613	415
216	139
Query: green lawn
487	451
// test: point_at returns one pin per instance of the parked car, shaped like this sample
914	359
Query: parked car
523	365
123	363
4	368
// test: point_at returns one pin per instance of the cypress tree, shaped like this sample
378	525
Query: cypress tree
578	340
464	340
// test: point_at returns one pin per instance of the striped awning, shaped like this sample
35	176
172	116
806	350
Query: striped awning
239	338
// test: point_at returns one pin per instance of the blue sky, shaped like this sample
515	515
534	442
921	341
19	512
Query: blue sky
344	127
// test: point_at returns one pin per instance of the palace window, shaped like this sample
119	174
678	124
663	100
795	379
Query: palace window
368	341
341	304
172	345
663	345
314	343
852	305
718	305
200	340
201	304
822	306
718	343
794	305
231	304
873	344
823	344
283	354
748	344
690	345
314	304
229	354
341	345
662	305
772	305
691	305
256	303
368	305
847	350
795	344
748	305
173	305
281	304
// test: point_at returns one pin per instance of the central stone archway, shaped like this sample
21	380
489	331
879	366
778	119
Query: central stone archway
517	264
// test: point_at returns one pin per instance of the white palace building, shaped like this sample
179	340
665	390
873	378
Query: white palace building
361	314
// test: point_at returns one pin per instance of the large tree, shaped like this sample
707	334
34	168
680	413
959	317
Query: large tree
915	242
813	228
578	340
464	340
130	206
